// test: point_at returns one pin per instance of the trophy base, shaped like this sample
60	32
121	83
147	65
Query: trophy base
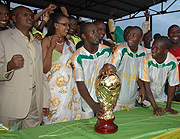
105	126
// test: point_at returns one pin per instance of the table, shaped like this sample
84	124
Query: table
137	123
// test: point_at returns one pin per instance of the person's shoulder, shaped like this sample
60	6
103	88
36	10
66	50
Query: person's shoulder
6	31
46	39
105	49
78	52
148	58
104	46
121	46
142	48
79	45
5	34
171	56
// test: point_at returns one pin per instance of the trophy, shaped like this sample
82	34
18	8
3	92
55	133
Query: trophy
107	91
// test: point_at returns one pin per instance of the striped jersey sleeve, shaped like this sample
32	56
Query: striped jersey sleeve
116	58
143	70
173	76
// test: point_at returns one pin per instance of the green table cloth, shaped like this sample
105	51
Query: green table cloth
137	123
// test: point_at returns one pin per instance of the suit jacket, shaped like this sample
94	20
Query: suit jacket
16	86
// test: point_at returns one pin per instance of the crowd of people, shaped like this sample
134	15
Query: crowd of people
50	77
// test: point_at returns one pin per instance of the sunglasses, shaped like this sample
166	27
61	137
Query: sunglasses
64	24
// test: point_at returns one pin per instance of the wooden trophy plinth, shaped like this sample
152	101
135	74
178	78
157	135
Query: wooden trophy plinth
105	126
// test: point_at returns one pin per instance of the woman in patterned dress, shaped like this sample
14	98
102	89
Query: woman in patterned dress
57	51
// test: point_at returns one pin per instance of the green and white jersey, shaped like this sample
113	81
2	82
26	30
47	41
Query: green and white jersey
156	74
87	67
127	66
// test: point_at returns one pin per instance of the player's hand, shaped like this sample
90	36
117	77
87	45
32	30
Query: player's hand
37	36
98	109
46	111
107	68
51	7
174	112
141	94
159	111
147	13
47	14
16	61
49	10
55	40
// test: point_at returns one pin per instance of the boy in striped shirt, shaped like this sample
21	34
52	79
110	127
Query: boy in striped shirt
87	61
155	69
126	59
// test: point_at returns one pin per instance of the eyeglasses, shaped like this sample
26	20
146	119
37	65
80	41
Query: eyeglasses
64	24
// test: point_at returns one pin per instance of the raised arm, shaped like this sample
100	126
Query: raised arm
51	7
147	14
145	25
45	20
111	22
47	49
64	11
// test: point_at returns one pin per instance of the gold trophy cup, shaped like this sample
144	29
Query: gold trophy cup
107	91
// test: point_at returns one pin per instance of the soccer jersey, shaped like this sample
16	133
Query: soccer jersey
127	63
176	53
156	74
87	67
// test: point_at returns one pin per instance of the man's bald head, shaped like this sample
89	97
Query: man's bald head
23	17
18	9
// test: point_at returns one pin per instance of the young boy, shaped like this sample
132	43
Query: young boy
87	61
126	59
155	69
